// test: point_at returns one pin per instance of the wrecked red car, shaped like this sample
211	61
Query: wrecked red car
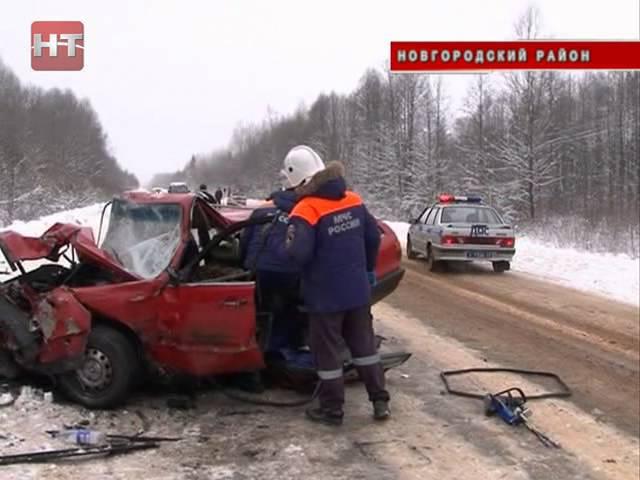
164	293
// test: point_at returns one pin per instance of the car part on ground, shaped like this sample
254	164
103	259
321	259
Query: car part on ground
563	392
305	380
50	455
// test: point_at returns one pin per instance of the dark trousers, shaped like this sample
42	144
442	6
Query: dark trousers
355	327
279	295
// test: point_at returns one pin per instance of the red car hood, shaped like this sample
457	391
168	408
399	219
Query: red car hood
17	247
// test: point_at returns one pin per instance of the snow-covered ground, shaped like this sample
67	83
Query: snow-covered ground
614	276
84	216
88	216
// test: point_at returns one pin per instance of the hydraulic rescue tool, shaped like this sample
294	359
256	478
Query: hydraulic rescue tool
514	411
510	404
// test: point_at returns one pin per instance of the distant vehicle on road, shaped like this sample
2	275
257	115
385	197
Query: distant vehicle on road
178	187
461	228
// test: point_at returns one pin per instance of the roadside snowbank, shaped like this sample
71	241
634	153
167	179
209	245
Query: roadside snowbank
614	276
400	229
89	215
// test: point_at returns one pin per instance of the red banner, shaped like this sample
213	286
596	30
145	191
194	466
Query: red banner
516	55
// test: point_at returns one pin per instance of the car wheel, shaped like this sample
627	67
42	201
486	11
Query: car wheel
108	373
411	255
501	267
433	265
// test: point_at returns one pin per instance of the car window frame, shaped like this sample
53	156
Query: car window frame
428	218
432	219
425	213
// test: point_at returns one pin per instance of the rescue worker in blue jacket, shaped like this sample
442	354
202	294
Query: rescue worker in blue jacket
335	241
277	277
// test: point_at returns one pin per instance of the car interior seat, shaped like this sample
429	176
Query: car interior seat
190	252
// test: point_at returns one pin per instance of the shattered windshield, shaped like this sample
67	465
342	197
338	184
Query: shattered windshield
143	237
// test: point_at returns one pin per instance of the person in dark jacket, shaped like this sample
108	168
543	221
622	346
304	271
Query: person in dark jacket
277	277
335	241
206	194
218	196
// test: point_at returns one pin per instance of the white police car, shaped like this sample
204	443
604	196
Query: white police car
458	228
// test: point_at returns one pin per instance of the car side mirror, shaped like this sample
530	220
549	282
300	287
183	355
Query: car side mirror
413	221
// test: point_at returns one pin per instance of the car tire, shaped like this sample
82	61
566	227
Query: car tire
109	372
411	255
433	265
501	267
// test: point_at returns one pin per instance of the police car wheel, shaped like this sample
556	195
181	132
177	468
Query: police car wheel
433	265
411	255
501	267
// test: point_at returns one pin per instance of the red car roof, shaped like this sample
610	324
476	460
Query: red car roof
232	213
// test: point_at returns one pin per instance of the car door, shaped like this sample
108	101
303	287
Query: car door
430	227
209	328
418	234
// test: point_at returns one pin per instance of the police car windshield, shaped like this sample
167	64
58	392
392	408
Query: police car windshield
470	214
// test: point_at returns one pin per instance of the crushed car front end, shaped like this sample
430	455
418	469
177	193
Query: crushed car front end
42	324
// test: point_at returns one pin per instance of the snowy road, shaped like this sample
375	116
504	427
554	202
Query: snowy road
431	435
590	341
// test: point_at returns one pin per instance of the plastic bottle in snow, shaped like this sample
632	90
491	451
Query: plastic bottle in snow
84	437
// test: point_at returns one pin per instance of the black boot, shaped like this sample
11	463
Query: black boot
323	415
381	410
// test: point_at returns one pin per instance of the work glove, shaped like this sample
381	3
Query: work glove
371	276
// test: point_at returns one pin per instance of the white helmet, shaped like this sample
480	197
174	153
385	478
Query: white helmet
300	164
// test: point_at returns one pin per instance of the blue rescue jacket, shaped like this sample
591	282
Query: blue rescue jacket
335	240
261	245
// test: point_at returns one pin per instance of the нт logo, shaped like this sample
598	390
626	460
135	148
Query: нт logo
57	45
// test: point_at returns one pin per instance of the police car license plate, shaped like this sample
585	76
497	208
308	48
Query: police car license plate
479	254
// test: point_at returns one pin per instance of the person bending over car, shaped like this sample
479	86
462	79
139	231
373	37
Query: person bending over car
335	241
277	277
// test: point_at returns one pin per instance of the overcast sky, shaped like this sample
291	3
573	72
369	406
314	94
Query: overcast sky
170	78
